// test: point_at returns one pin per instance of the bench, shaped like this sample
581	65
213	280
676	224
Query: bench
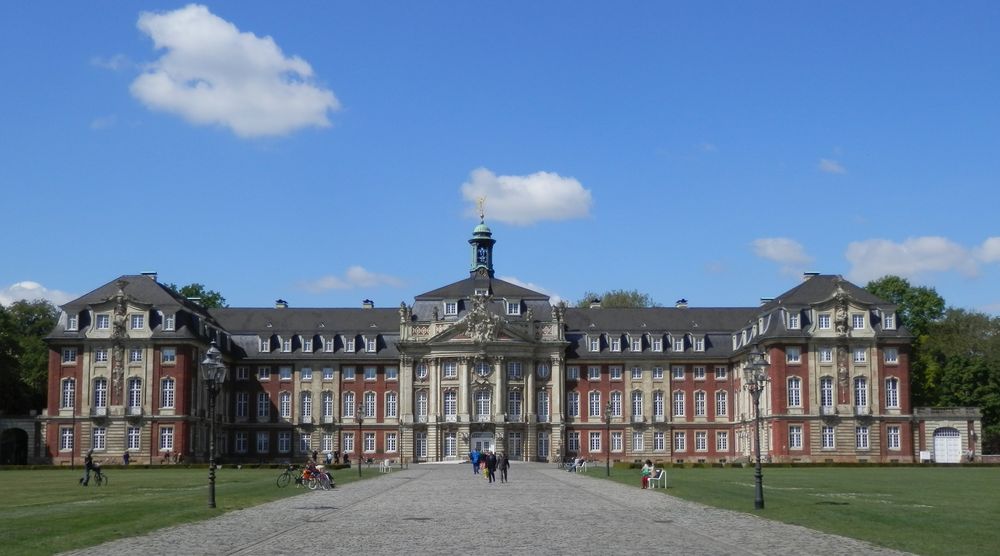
659	477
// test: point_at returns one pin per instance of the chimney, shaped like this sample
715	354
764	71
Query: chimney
766	300
681	303
808	275
368	304
280	304
150	274
595	303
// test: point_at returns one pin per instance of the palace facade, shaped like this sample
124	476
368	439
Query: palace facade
484	363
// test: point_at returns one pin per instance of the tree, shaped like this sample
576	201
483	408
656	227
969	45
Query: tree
24	357
618	299
210	299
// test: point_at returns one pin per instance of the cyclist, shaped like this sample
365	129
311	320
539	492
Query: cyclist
88	466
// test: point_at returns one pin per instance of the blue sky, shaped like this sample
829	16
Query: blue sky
328	152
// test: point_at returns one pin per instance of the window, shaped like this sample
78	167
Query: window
824	321
699	404
615	372
305	441
284	442
892	393
263	442
72	322
573	404
678	344
371	344
892	437
263	405
348	404
594	406
65	439
573	441
721	403
421	371
242	404
305	405
369	442
450	308
285	405
593	373
657	344
286	347
103	321
595	343
542	407
721	372
370	408
100	355
657	373
699	373
306	374
422	404
450	369
137	322
391	405
513	308
860	355
616	441
483	368
327	398
828	439
347	373
168	356
793	355
450	444
636	344
889	321
68	398
97	438
680	441
371	373
700	441
826	355
327	373
348	442
860	392
242	373
722	441
890	356
514	370
482	401
69	355
134	395
349	345
263	373
390	442
794	392
133	436
166	439
595	441
573	373
793	321
861	438
699	344
514	403
826	391
658	405
327	442
857	321
307	345
616	344
284	373
167	387
135	355
169	322
100	393
616	403
637	404
678	404
795	437
328	345
265	345
450	403
659	441
636	373
677	372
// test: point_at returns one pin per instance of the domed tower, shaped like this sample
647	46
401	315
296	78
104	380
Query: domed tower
482	249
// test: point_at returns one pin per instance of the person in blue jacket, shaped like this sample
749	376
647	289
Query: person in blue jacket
474	458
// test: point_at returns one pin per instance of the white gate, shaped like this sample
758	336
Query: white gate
947	445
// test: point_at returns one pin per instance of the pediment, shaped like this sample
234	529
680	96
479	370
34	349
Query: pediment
463	332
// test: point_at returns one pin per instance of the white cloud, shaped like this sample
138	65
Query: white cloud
831	166
554	299
789	253
355	277
30	291
989	251
212	74
874	258
525	200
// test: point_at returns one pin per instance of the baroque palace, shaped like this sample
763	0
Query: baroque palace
483	363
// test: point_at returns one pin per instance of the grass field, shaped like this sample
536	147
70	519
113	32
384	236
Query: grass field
924	510
47	511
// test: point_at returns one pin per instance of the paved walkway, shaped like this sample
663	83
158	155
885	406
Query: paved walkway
444	509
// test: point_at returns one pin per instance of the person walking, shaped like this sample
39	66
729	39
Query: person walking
474	456
125	458
504	465
88	466
491	466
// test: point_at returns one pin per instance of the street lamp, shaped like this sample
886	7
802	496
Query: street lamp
360	418
213	371
755	379
607	423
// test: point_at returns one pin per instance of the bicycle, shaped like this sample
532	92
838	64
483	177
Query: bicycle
319	479
101	478
286	476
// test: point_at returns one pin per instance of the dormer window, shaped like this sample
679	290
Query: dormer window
889	321
72	322
137	322
286	345
793	321
514	308
636	344
858	321
678	344
482	291
349	345
103	321
824	321
450	308
616	344
328	345
169	322
265	345
658	344
699	344
307	345
595	343
371	345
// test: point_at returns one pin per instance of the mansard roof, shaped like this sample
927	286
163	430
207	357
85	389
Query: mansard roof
307	320
659	319
141	288
820	288
467	287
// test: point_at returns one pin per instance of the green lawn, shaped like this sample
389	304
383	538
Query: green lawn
46	511
925	510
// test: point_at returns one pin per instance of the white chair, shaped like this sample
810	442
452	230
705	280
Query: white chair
658	478
582	467
385	466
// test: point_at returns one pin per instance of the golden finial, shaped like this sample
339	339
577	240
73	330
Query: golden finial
482	209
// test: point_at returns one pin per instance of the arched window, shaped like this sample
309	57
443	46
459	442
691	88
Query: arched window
699	403
892	393
794	391
68	399
450	403
306	404
327	404
134	395
285	405
167	389
826	391
860	391
658	404
370	408
100	393
573	404
595	404
390	405
637	404
721	403
616	404
678	404
348	405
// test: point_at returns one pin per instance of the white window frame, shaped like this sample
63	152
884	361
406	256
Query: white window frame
793	321
793	355
450	308
721	372
700	404
677	372
133	438
166	438
168	390
698	372
573	372
794	437
594	372
889	321
306	374
680	441
285	373
828	437
169	322
721	441
594	443
858	321
100	355
892	393
168	356
69	355
514	370
721	403
657	373
826	354
659	441
103	321
794	391
701	441
824	321
892	437
678	407
862	437
657	345
699	344
890	355
137	321
860	355
72	323
263	374
615	372
450	369
513	308
615	344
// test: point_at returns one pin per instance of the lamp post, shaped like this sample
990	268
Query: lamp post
213	371
360	418
755	380
607	424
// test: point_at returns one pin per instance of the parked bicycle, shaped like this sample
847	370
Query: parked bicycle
287	476
317	478
100	477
